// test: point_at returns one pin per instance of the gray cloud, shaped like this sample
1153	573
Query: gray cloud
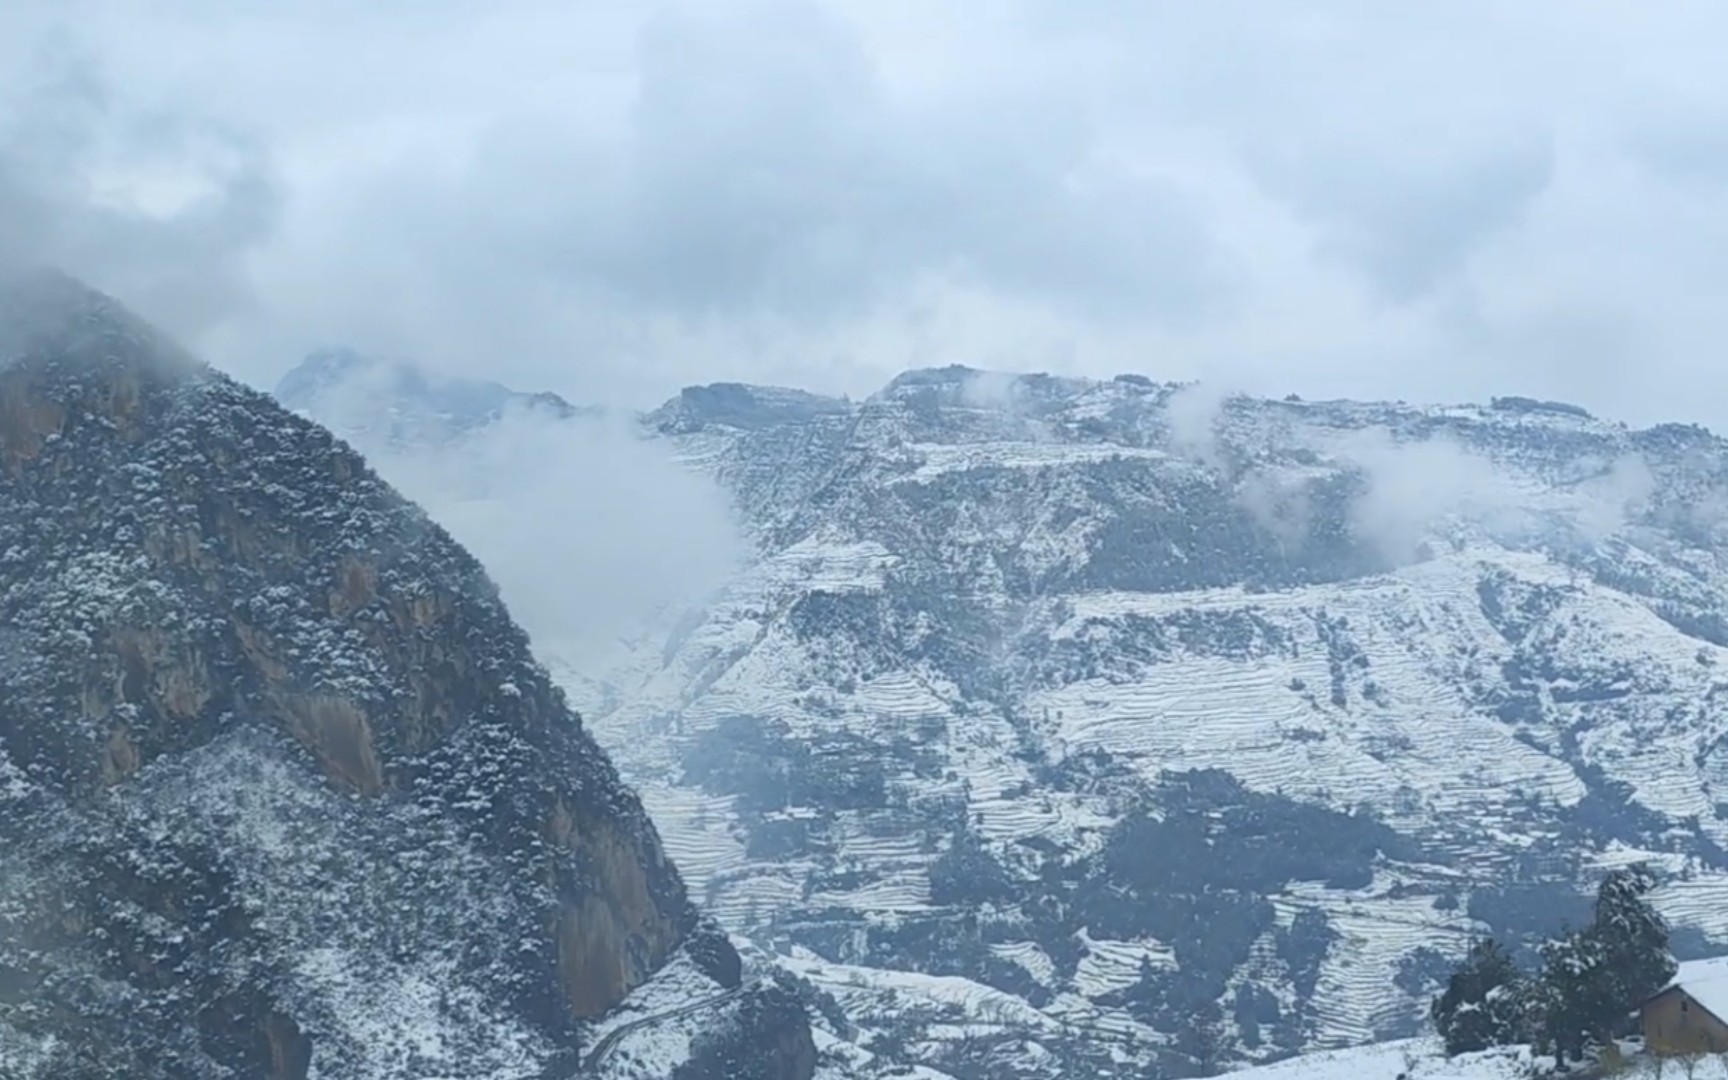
1326	196
1409	226
767	168
761	177
1688	147
1364	123
161	207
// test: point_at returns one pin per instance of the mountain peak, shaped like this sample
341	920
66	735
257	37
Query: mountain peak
324	366
44	288
283	788
743	406
364	392
957	385
50	320
68	352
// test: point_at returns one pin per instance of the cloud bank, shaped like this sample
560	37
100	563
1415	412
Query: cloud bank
1407	493
589	530
158	205
1332	197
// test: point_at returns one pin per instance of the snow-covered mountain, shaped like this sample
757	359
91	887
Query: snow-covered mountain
393	402
283	792
1066	728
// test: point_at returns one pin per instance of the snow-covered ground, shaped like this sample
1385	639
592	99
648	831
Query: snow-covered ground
1408	1059
1480	627
1421	1059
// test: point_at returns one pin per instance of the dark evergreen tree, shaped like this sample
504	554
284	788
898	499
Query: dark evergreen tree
1537	1009
1634	938
1481	1004
1573	998
1594	977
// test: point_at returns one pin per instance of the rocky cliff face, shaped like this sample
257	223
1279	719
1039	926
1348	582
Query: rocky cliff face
282	789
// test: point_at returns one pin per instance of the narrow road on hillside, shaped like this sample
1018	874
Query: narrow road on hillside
596	1059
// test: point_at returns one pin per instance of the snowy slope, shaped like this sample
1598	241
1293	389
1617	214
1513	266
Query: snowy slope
1066	728
1421	1059
1411	1059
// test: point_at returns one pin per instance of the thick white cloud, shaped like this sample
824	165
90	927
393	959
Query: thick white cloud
610	200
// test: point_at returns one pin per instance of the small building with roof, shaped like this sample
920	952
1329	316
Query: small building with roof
1690	1014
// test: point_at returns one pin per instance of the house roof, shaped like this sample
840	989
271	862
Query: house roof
1706	982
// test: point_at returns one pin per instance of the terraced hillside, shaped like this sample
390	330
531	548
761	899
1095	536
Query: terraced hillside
1063	728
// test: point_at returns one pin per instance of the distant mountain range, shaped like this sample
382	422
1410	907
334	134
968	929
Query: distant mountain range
1073	728
399	403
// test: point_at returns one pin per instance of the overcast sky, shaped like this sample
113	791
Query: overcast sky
610	199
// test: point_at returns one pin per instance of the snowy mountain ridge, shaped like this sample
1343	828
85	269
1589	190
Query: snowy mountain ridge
1059	727
396	402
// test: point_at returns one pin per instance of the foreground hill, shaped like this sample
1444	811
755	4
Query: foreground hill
1077	728
283	792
